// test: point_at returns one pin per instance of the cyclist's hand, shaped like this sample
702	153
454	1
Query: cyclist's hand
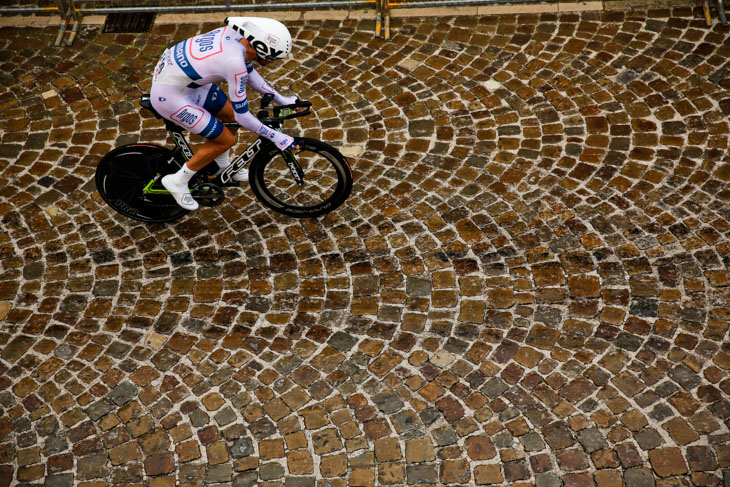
287	143
285	100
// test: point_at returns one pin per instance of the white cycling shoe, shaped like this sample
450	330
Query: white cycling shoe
241	176
180	192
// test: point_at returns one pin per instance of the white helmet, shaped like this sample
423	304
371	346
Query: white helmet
269	38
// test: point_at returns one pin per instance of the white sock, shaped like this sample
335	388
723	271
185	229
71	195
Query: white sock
222	160
184	175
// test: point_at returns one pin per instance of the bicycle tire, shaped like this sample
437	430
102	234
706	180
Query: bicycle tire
327	179
124	172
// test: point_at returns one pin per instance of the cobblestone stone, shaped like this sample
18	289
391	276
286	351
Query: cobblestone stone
528	285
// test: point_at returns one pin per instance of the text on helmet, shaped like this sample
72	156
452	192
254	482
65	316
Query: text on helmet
263	49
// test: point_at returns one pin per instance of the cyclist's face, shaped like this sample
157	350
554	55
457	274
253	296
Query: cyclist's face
251	54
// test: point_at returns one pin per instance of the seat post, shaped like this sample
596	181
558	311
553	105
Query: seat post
172	126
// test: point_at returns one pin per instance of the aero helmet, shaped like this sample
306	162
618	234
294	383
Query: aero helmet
269	38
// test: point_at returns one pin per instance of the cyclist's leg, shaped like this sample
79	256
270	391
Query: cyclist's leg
217	103
189	109
186	110
226	112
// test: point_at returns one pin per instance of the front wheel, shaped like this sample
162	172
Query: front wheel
128	179
314	182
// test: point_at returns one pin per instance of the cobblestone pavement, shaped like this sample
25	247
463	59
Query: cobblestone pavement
528	286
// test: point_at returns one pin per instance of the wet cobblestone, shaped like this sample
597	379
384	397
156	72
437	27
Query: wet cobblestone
528	285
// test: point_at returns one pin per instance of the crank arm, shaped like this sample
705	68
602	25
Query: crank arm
199	197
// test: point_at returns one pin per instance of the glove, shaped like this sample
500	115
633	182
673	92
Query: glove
281	140
286	143
284	100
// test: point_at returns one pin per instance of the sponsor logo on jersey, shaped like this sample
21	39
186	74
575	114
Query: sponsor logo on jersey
160	66
264	131
188	116
182	60
212	128
206	45
241	79
180	57
240	106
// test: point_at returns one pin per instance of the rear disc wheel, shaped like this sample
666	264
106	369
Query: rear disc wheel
128	179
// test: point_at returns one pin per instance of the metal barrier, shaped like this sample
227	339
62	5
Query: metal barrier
383	7
455	3
382	19
29	6
88	7
64	8
720	13
71	11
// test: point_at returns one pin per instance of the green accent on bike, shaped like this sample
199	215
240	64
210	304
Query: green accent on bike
149	189
294	167
285	111
290	157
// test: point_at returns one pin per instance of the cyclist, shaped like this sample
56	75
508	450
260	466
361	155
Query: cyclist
184	92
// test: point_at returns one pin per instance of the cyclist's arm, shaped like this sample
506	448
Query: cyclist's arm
259	84
237	93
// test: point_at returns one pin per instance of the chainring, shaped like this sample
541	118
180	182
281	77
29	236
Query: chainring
207	194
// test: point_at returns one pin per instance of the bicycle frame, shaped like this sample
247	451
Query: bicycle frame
225	177
240	162
129	178
184	151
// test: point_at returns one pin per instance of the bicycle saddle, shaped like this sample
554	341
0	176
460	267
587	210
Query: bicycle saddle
145	102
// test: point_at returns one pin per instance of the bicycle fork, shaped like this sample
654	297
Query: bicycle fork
294	167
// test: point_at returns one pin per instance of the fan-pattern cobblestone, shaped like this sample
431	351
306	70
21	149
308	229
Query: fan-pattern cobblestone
528	286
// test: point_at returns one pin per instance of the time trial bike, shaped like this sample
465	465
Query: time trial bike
309	181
